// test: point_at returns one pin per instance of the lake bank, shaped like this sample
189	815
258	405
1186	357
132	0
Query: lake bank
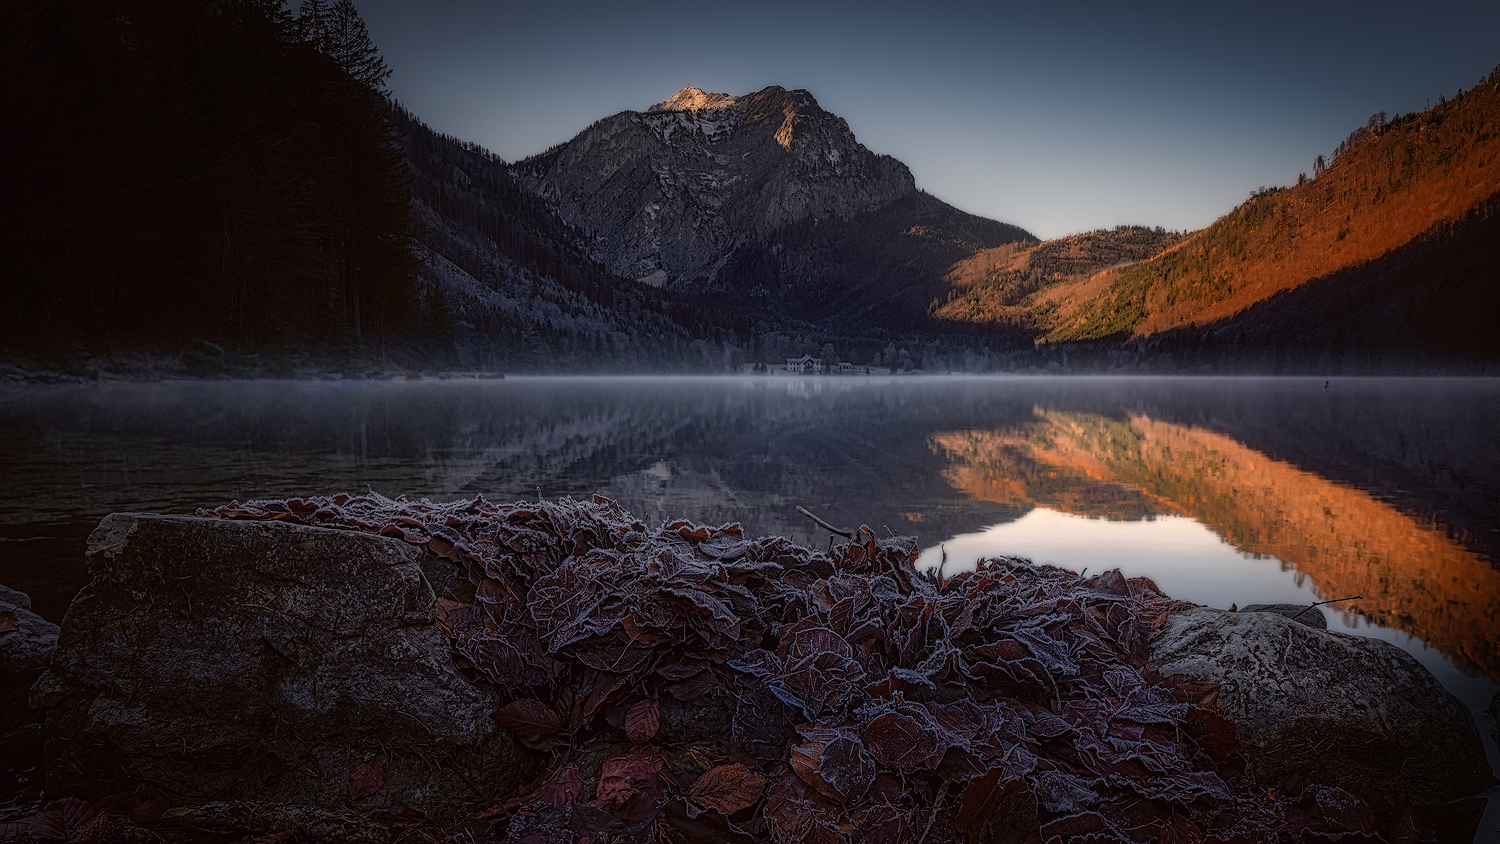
696	610
1091	464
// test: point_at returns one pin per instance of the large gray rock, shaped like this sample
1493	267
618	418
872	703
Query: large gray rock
264	661
1307	614
1352	711
11	598
24	655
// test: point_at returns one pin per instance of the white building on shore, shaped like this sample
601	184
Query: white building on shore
808	363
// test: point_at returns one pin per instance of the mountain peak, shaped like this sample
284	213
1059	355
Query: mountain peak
694	99
668	194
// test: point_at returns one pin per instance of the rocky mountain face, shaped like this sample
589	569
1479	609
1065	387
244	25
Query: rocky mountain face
665	195
504	284
766	199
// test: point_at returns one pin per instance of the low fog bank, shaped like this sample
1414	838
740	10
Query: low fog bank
861	356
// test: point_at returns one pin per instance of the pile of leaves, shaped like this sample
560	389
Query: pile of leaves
690	684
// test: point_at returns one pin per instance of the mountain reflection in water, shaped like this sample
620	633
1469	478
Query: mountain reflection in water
1384	488
1411	574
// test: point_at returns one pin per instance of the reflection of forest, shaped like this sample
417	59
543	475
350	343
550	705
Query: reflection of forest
751	449
712	450
1413	576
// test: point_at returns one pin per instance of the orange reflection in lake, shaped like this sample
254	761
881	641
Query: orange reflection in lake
1413	576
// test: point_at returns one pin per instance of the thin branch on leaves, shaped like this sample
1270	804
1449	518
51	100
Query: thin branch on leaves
826	526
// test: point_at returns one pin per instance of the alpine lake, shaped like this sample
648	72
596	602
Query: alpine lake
1222	490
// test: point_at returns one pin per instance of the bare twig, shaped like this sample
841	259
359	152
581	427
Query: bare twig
938	804
1321	603
826	526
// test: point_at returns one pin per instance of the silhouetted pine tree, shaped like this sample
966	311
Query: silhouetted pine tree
199	168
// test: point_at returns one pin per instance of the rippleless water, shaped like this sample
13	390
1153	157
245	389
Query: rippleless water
1223	490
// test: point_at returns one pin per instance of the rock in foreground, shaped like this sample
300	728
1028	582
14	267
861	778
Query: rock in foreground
1312	616
26	644
679	683
1353	711
264	661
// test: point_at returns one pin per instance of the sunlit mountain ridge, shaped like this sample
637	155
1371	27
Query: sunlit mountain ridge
996	287
1384	260
1392	243
168	223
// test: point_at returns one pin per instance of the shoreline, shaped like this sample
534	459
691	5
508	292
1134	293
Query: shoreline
416	532
144	366
11	376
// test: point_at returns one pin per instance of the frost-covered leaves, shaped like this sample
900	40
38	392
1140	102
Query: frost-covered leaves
365	779
728	788
642	721
833	762
833	697
533	722
905	740
760	726
624	777
997	809
69	819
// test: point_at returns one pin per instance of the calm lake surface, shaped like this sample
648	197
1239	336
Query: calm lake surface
1225	491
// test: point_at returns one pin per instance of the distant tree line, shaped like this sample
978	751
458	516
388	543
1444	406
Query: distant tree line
220	170
203	175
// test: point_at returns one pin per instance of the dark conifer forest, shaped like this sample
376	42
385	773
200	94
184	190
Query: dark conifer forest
191	170
230	187
227	178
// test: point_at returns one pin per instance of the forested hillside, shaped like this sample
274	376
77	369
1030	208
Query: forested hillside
1428	306
504	286
1396	215
876	269
231	183
225	186
189	169
992	288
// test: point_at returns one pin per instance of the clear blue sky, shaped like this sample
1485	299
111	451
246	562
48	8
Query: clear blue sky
1056	116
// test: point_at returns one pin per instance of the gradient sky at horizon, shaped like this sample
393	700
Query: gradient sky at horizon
1059	117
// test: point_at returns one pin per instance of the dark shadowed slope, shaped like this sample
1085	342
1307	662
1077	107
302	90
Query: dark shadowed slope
1432	302
198	170
881	268
504	284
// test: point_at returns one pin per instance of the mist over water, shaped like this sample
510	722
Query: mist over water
1229	490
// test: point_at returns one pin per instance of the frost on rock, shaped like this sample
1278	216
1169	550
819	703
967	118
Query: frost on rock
27	642
1334	706
689	683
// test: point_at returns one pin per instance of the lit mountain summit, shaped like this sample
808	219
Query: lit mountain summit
765	196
